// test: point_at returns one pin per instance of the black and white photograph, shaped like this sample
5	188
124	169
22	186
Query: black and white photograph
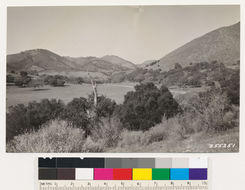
121	79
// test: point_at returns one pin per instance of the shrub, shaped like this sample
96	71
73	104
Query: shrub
79	80
211	109
93	146
131	138
105	106
172	129
232	88
57	80
177	66
155	134
22	81
36	83
23	73
81	113
76	114
139	139
56	136
231	117
146	106
107	131
21	118
10	78
16	121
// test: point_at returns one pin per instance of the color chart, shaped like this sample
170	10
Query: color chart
152	172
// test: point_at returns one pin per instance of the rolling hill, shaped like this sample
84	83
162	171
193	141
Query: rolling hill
45	61
222	45
119	61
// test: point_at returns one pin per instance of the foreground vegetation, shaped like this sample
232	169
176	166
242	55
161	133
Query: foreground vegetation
149	119
52	126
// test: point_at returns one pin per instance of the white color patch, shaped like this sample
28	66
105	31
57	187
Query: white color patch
201	162
84	173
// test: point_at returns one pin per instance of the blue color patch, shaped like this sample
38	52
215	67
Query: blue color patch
179	173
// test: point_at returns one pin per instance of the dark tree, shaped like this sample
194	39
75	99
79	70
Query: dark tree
232	88
22	81
145	107
56	80
76	113
10	78
79	80
105	106
23	73
21	118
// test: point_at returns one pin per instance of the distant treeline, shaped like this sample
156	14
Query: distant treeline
24	79
195	75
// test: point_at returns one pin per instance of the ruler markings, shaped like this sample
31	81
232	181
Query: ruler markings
126	185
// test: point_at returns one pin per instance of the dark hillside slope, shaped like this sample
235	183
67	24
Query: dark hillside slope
222	45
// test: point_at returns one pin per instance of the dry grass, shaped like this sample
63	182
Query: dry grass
195	143
134	140
55	137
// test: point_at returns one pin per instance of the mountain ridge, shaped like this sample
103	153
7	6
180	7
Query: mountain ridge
43	59
222	45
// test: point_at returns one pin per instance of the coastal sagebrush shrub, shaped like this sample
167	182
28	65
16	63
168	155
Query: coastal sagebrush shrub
155	134
107	129
55	136
131	138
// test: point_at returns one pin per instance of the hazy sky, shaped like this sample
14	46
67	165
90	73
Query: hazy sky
133	33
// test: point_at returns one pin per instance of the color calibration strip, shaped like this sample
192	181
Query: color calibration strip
123	169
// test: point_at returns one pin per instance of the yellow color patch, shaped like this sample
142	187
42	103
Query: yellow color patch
142	174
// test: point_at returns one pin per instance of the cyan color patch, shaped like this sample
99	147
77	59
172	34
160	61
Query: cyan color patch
179	173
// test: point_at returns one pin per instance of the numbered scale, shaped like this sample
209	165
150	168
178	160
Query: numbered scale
122	185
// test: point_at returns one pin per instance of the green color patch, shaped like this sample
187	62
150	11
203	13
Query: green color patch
160	173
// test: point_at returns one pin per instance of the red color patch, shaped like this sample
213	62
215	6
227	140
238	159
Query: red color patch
122	174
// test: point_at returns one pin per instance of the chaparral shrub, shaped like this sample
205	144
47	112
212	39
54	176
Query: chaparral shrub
145	107
21	118
76	114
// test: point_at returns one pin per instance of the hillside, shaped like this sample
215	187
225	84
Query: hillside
45	61
39	59
222	45
119	61
147	63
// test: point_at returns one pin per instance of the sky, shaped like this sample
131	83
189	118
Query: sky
135	33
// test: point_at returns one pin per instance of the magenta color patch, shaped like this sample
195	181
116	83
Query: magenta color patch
103	173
